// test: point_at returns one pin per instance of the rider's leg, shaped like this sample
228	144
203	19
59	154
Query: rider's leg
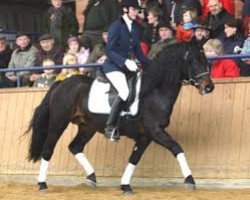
119	81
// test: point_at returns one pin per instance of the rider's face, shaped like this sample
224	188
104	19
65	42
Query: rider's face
132	13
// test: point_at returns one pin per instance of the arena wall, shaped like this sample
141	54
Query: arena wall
213	130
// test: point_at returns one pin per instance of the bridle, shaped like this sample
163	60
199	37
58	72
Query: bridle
196	81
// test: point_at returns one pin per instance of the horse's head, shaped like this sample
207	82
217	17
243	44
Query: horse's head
196	70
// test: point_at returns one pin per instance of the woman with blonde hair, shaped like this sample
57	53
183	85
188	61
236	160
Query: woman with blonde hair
220	68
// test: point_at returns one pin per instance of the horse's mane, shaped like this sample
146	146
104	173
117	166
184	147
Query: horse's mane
165	68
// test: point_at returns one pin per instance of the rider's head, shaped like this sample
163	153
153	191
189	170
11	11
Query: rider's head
131	8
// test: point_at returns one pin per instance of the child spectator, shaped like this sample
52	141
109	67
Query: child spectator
184	31
174	8
48	77
80	51
68	59
220	68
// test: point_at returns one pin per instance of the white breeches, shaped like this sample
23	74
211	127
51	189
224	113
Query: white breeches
119	81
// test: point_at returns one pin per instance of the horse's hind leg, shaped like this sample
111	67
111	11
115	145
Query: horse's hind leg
164	139
138	149
54	133
76	148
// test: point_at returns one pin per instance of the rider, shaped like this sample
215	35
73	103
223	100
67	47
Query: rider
122	47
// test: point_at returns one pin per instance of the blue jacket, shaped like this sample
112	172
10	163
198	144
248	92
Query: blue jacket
122	44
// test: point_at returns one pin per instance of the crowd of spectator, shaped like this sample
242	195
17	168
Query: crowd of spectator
211	25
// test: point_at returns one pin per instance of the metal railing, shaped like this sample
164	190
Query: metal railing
37	68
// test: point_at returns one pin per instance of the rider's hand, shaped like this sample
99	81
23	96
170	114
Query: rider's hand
131	65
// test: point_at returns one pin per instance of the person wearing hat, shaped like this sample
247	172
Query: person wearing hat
122	47
166	38
80	49
23	56
202	33
48	49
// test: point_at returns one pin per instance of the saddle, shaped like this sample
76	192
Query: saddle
112	93
102	95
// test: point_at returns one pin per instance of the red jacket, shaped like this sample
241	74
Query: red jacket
225	68
227	4
183	35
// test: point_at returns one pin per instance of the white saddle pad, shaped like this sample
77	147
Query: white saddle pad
98	101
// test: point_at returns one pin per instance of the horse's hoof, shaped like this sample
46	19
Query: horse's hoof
126	190
91	180
42	186
190	183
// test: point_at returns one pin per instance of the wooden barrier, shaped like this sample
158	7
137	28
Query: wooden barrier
214	131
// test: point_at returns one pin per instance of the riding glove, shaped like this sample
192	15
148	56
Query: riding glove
131	65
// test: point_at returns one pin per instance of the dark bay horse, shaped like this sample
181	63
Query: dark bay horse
66	102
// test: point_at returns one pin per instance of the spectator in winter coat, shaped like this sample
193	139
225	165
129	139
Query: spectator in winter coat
220	68
228	5
5	53
98	15
60	21
201	35
217	17
166	38
49	50
232	36
23	56
150	34
80	49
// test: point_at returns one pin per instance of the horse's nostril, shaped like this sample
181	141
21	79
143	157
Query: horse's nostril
207	88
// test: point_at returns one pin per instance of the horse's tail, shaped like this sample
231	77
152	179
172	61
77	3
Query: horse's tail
39	125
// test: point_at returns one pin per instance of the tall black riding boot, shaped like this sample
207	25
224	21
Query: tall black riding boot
111	125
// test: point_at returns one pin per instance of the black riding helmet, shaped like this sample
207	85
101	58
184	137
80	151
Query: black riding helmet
130	3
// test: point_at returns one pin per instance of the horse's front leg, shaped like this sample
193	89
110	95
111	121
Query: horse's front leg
162	138
138	150
76	147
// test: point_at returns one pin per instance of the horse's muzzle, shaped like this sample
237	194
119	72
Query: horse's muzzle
206	87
